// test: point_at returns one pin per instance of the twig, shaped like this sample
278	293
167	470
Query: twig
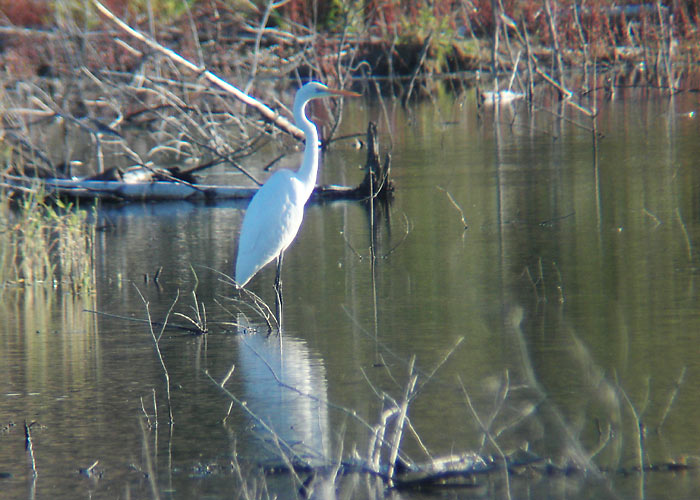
418	439
672	397
456	205
515	70
29	446
566	93
156	344
638	426
260	306
200	315
145	413
150	472
258	38
533	283
485	430
540	278
584	44
88	471
525	40
139	320
429	376
156	276
602	443
377	438
421	61
349	245
401	419
572	121
654	217
228	375
155	406
559	286
557	49
261	108
401	241
688	244
498	406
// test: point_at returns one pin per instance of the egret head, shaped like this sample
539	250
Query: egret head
315	90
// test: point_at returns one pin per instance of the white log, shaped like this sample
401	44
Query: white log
151	191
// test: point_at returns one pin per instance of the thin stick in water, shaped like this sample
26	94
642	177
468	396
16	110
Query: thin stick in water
156	344
401	419
487	433
456	205
638	426
672	397
653	217
29	446
688	244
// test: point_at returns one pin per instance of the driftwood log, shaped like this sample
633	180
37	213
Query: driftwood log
152	186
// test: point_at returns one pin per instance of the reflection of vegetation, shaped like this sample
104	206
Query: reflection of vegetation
49	346
46	242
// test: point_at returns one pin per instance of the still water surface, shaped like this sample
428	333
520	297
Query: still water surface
573	289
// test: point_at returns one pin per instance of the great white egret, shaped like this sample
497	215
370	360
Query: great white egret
274	215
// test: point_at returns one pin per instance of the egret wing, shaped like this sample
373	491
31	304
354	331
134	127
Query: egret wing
271	222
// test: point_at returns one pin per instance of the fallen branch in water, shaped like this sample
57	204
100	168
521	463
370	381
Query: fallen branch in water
148	186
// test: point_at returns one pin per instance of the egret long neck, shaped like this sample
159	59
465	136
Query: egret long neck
309	167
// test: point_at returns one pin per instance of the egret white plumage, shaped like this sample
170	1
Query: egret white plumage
275	213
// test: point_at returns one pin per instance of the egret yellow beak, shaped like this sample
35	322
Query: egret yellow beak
341	92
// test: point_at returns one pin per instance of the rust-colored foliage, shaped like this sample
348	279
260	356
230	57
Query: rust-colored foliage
27	13
605	28
383	17
116	5
312	13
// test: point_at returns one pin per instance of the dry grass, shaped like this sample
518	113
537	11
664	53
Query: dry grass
46	242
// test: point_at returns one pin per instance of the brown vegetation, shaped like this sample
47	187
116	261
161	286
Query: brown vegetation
388	33
73	78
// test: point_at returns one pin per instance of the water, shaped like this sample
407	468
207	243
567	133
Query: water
572	290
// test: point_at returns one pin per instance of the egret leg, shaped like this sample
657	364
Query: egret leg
278	289
278	276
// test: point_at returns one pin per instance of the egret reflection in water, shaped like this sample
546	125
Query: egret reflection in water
285	386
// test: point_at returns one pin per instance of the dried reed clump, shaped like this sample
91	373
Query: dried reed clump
46	242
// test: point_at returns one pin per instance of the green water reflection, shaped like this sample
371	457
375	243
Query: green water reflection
573	288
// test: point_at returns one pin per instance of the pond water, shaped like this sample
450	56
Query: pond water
565	313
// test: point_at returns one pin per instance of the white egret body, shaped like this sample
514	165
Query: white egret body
274	215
